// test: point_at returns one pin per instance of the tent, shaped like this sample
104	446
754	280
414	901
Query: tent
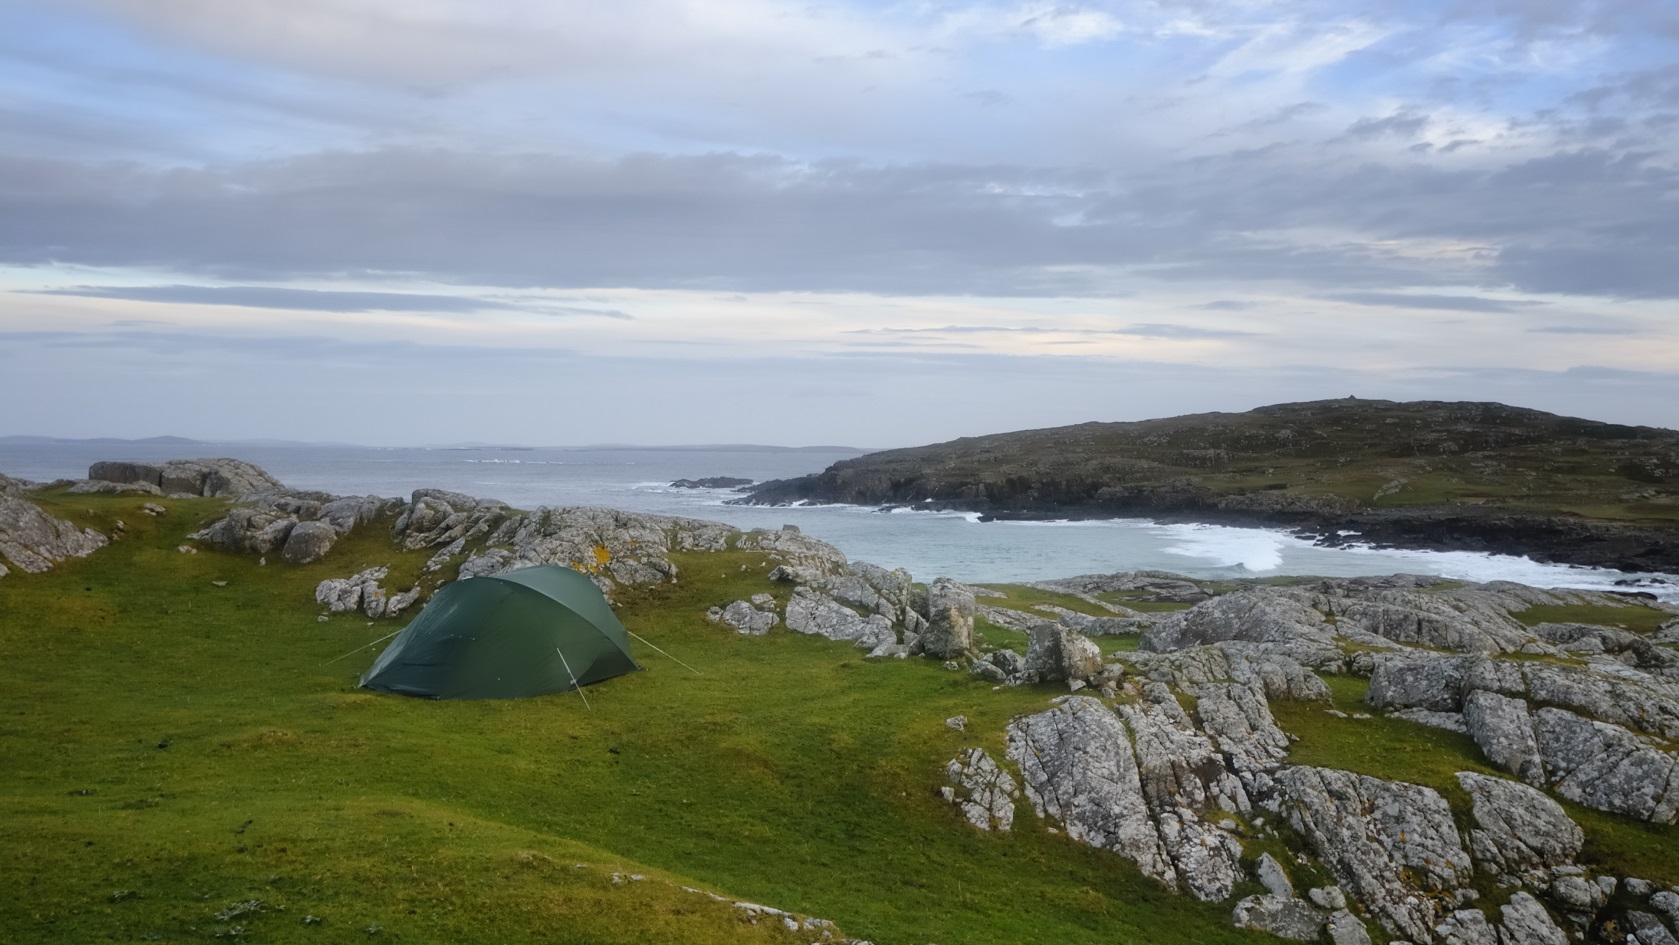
506	636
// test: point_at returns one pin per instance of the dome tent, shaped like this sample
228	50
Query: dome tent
506	636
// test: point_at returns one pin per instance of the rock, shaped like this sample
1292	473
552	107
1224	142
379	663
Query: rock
1254	615
1525	922
1055	653
957	722
1466	927
402	601
950	620
1344	928
888	650
308	542
153	509
1648	929
711	482
1450	721
101	487
1281	916
812	612
1504	730
345	595
1273	877
1468	620
1328	898
1392	845
1422	681
1517	828
1667	903
746	617
1606	767
1076	765
34	541
219	477
984	791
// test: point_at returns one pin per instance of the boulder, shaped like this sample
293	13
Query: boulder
308	542
1525	922
1254	615
1606	767
812	612
1273	877
1392	845
746	617
360	591
1517	828
1056	652
1282	916
1344	928
950	620
217	477
1466	927
983	791
1076	765
1504	730
34	541
1648	930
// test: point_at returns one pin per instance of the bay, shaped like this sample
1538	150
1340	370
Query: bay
927	544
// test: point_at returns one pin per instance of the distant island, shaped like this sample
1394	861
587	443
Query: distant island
1429	475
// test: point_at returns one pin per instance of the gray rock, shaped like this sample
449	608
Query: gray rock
1076	765
1504	730
1281	916
888	650
1055	653
102	487
1450	721
747	618
1667	903
984	791
1257	615
1237	718
1525	922
402	601
1330	898
218	477
308	542
34	541
1648	929
1606	767
1419	681
812	612
950	620
1517	828
1344	928
1574	892
1466	927
1392	845
1466	620
346	595
1273	877
957	723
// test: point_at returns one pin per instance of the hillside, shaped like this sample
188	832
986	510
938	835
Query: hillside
1431	475
1106	758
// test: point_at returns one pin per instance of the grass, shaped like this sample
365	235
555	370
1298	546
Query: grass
1021	597
1635	617
173	749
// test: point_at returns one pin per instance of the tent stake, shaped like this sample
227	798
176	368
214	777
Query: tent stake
574	683
364	646
649	643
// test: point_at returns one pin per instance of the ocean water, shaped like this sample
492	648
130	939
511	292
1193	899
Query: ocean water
927	544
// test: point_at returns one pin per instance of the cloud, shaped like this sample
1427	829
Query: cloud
1586	330
1447	303
315	300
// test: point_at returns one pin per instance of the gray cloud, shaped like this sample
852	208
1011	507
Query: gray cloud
312	300
1154	330
1447	303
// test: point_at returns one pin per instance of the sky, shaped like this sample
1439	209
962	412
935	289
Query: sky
870	223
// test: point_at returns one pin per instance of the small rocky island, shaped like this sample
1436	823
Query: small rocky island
1400	758
1426	475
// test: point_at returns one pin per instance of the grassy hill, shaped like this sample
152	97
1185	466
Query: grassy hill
191	762
1474	476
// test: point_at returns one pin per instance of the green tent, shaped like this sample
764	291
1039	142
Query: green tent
506	636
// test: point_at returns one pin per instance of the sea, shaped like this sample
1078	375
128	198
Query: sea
928	544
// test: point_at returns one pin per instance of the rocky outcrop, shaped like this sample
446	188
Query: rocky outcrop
811	612
308	542
613	547
1055	653
1390	844
950	620
1258	615
219	477
1519	833
33	541
362	592
1503	728
983	791
1607	767
754	617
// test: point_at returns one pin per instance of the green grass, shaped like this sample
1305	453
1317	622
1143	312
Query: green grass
1021	597
1635	617
790	772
